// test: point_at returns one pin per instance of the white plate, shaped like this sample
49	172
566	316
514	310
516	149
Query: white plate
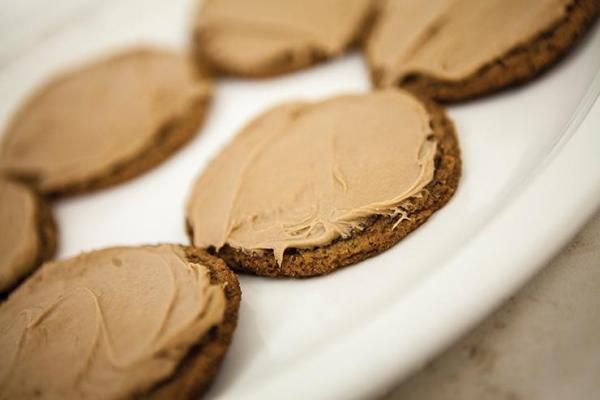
531	177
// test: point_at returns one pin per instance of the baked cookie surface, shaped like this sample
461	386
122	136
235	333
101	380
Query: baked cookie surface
151	321
106	122
454	50
28	233
270	37
307	188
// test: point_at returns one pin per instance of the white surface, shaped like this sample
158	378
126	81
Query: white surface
528	184
542	344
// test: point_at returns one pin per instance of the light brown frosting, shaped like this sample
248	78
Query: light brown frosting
105	325
250	34
302	175
452	39
19	241
82	125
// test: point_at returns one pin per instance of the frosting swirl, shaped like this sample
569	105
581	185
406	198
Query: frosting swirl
107	324
302	175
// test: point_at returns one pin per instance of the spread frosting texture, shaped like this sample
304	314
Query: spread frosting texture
19	241
452	39
109	324
304	174
82	125
252	34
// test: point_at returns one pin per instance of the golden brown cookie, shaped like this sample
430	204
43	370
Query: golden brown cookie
307	188
105	123
29	234
125	322
455	50
257	38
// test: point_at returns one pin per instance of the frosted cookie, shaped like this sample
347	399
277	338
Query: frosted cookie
456	49
269	37
306	188
28	233
105	123
119	323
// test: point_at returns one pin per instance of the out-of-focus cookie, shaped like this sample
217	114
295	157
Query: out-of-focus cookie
453	50
307	188
106	122
119	323
269	37
28	234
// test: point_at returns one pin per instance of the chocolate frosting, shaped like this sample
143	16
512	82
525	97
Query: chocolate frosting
452	39
105	325
82	125
302	175
255	34
19	242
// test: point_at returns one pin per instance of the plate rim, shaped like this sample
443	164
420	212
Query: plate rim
387	360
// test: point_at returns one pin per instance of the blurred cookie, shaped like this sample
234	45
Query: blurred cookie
453	50
28	230
119	323
307	188
269	37
105	123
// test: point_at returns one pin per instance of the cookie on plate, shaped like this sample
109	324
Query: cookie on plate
28	233
307	188
454	50
106	122
119	323
268	37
